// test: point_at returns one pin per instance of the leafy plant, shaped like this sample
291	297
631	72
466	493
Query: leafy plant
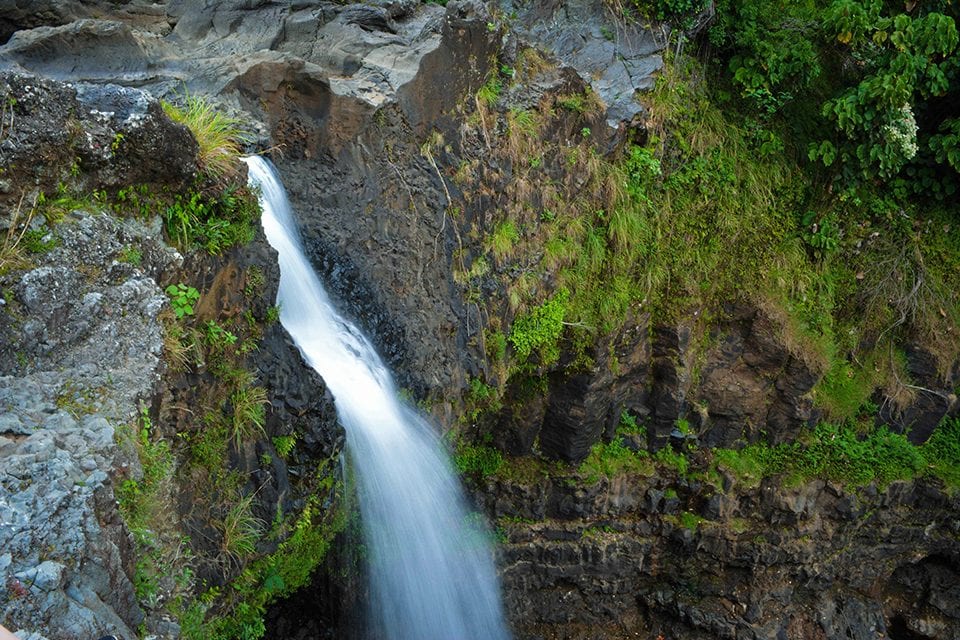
942	451
610	459
489	93
217	338
213	224
285	444
539	330
182	299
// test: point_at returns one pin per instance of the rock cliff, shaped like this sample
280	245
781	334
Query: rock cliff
407	134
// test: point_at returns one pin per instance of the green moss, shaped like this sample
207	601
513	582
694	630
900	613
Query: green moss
672	460
477	461
611	459
837	453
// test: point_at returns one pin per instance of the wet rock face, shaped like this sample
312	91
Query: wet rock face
812	563
617	57
751	386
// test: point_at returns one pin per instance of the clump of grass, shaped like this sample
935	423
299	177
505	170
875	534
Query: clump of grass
942	452
218	135
503	239
490	92
11	246
249	413
240	530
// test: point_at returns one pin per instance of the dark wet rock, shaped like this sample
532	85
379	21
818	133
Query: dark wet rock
933	395
751	386
810	562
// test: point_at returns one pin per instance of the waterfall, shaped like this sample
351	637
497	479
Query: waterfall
430	567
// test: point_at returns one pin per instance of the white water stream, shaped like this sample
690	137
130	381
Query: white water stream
430	567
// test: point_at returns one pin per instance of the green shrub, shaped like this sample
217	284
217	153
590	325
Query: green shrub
610	459
212	223
539	330
285	445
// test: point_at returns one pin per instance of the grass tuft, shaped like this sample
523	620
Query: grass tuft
218	135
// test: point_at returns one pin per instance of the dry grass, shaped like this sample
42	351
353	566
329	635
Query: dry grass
11	249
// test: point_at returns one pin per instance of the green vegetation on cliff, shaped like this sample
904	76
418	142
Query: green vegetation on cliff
803	161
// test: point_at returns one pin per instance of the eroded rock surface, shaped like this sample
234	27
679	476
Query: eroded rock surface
636	558
81	347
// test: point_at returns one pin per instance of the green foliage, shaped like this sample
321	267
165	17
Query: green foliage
240	530
774	51
844	390
307	540
182	299
138	497
673	459
249	414
539	330
144	503
942	452
505	235
216	337
674	10
218	136
829	451
610	459
481	398
477	461
39	241
629	426
871	75
131	255
254	282
273	314
285	445
213	223
690	520
573	102
490	92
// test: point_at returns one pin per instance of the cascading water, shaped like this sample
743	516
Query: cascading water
430	568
